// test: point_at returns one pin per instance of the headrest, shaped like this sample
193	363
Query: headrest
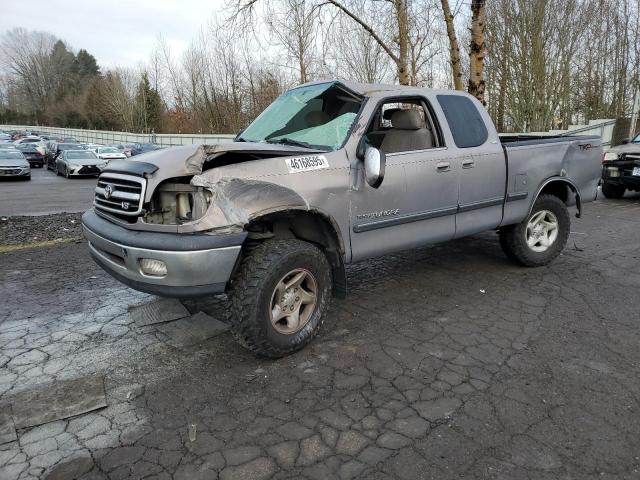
315	119
406	120
388	113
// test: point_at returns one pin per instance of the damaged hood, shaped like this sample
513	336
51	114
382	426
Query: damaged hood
188	159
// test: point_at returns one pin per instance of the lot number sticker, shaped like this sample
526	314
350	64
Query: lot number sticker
306	164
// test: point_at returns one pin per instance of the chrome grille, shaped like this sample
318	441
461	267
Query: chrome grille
120	194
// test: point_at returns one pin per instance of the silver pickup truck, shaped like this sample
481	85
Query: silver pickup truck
330	173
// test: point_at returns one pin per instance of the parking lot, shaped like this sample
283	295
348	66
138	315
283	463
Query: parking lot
45	193
444	362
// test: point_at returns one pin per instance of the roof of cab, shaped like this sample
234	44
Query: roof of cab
380	89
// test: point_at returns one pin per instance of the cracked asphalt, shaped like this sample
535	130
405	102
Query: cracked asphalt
444	362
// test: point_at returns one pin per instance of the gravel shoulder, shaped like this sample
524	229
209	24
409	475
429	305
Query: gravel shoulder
27	230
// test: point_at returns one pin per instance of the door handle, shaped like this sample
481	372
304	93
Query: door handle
443	166
468	164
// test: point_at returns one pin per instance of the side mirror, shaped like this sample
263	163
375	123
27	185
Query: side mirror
374	163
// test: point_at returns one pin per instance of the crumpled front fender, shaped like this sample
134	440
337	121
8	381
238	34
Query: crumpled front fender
237	201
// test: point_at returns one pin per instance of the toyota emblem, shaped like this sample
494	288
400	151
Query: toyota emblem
108	190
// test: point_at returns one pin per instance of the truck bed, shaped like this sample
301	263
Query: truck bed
532	160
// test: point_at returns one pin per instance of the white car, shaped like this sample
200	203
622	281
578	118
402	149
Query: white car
28	139
92	146
110	153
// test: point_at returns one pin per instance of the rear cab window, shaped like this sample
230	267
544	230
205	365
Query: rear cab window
465	122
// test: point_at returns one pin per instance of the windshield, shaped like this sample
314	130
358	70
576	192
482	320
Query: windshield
109	150
317	116
9	155
637	139
77	155
69	146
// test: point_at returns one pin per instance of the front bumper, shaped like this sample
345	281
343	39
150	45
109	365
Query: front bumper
197	264
6	172
82	170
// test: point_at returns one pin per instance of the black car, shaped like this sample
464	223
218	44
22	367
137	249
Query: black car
33	153
140	148
621	169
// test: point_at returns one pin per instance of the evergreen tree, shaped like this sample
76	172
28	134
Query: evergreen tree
85	64
149	106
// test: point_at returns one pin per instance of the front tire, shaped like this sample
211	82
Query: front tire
612	191
279	297
540	237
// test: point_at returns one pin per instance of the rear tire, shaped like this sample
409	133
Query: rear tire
612	191
261	280
532	242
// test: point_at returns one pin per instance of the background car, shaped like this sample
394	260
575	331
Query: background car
140	148
5	137
29	139
33	153
92	146
110	153
79	162
124	148
14	165
59	148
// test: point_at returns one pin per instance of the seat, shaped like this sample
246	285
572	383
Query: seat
407	133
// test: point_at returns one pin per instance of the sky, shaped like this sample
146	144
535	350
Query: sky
116	32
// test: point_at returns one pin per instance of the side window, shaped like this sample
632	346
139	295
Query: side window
403	126
466	124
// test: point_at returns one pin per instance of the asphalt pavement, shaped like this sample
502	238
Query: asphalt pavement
45	193
444	362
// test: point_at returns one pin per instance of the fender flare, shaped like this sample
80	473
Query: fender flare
568	183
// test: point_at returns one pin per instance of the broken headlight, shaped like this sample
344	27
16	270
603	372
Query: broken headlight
177	203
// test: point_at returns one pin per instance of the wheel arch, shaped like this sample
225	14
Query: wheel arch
558	187
311	225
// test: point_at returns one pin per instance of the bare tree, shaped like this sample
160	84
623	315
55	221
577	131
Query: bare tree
477	50
293	24
454	46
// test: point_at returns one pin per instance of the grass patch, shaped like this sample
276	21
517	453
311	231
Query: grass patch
46	243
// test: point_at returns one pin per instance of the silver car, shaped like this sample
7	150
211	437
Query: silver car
74	163
13	164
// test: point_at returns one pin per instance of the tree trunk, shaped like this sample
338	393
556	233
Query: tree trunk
477	51
454	48
403	42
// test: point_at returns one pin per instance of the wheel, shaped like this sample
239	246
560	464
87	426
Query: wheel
66	172
611	190
539	238
279	297
56	170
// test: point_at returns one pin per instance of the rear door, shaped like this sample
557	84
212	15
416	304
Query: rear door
483	169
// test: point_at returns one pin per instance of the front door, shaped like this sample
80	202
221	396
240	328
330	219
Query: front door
417	200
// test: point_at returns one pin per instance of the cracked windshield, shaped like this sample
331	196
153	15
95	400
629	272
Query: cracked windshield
316	116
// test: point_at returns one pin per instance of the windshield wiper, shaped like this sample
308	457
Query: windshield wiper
289	141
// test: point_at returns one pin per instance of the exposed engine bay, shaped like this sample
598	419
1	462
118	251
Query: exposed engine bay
177	202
